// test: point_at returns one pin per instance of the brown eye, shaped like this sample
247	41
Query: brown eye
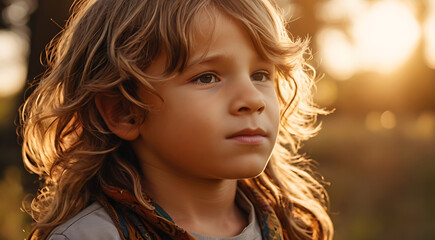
205	79
260	76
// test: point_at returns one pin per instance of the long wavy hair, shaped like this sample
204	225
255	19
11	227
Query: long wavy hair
104	49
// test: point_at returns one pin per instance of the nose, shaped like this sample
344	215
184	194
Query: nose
247	99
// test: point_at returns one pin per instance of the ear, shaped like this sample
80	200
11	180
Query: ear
116	117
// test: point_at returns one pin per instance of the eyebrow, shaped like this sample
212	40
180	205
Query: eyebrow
215	57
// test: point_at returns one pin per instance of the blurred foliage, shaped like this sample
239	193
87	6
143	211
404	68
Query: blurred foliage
382	183
6	109
13	222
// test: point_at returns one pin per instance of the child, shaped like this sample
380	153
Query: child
175	119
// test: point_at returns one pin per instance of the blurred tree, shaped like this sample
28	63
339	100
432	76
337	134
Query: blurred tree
2	22
47	21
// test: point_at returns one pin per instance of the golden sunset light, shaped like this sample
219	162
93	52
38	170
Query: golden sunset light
335	95
429	35
385	36
380	37
13	67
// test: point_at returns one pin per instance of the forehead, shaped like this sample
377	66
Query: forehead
211	32
204	24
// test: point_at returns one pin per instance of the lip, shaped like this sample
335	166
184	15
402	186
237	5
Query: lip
249	136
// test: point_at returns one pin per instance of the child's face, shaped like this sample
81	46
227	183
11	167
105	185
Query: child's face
220	116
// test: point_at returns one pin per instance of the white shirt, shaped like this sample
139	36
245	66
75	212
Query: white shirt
94	223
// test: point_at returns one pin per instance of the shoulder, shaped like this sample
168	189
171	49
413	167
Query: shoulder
93	222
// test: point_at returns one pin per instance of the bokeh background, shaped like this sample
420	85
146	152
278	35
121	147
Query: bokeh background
377	150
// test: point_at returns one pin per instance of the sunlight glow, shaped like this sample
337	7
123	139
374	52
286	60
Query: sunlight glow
376	121
425	125
429	35
339	10
385	36
13	66
17	13
388	120
373	121
336	53
380	36
327	92
422	127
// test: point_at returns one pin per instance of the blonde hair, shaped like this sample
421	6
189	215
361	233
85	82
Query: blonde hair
105	48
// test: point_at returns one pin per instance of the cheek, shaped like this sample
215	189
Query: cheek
186	124
274	110
194	111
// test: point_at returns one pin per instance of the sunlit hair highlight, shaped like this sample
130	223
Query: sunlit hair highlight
104	49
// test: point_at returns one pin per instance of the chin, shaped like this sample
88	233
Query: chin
248	170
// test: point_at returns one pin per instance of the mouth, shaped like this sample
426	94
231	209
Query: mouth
249	136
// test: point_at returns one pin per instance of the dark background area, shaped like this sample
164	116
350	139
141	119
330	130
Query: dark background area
377	150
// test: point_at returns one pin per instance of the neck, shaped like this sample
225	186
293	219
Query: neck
203	206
